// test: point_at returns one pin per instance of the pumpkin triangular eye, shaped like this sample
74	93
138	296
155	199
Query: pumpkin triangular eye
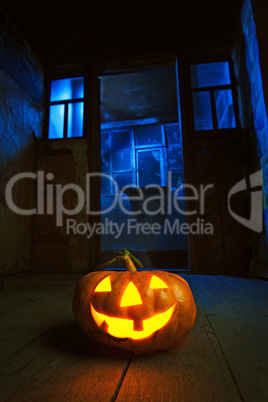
104	285
157	283
131	296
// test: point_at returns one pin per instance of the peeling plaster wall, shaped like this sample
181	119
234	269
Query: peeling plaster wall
250	63
20	123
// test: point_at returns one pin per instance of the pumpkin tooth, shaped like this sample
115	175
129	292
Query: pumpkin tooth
104	326
138	325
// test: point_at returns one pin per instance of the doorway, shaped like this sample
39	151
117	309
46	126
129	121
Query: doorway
142	167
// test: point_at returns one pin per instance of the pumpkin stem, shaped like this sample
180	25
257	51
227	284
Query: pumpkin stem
128	259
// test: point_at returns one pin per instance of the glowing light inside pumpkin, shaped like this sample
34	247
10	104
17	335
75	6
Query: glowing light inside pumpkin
157	283
124	328
104	285
131	296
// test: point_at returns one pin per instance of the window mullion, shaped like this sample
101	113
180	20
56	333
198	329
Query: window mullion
65	119
133	155
110	163
213	110
211	88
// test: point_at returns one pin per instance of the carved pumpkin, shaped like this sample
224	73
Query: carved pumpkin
134	310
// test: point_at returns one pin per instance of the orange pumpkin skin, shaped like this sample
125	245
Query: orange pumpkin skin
154	301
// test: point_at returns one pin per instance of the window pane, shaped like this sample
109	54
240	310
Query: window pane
75	119
212	74
174	157
120	140
121	160
176	179
56	121
106	185
149	168
66	89
173	134
123	179
105	142
202	111
105	161
225	108
148	135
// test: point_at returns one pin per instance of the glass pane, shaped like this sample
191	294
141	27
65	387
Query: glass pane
149	168
56	121
174	157
225	108
120	140
202	111
75	119
123	179
66	89
212	74
176	179
105	161
148	135
173	134
106	185
121	160
105	142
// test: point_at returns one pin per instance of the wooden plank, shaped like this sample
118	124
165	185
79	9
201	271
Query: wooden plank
63	365
45	355
241	327
223	359
218	142
222	168
255	290
32	305
235	236
25	288
214	262
196	371
214	241
211	202
210	248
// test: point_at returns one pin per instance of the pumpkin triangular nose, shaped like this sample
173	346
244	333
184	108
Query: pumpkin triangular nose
131	297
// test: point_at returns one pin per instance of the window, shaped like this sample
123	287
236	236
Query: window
212	96
142	156
66	109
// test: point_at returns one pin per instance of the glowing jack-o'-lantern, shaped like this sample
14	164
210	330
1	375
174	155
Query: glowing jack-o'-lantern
134	310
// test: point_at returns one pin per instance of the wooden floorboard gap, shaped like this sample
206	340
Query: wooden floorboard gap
46	356
222	355
120	382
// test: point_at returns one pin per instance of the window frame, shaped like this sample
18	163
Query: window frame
215	132
162	163
65	103
136	149
110	171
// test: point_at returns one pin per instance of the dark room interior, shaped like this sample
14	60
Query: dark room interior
138	126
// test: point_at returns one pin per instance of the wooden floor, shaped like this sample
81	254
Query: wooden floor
46	357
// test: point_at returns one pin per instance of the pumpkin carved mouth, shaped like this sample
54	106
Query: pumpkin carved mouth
124	328
140	310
